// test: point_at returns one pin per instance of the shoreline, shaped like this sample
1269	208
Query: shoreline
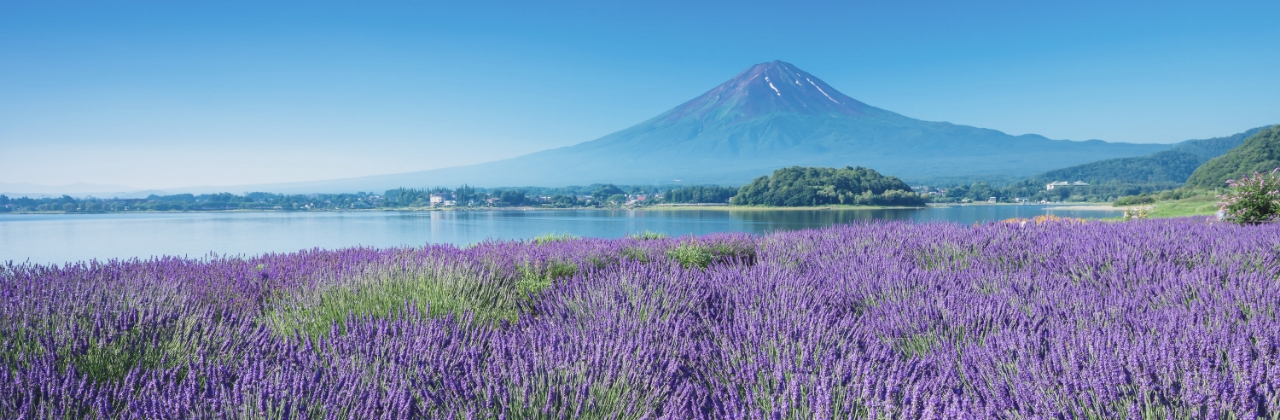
436	209
659	207
768	208
1086	207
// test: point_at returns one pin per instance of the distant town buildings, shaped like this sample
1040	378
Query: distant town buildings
1050	186
442	200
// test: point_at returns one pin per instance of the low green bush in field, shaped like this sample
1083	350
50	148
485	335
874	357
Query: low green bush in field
637	254
691	255
1253	198
647	236
536	278
1133	200
487	298
112	361
552	237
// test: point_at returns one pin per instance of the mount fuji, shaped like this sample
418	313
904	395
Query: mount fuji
770	116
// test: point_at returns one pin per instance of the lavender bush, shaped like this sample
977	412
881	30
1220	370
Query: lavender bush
1253	199
1050	319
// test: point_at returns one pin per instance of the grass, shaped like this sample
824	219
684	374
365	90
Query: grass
536	278
552	237
1182	202
647	236
1194	206
694	255
430	294
488	299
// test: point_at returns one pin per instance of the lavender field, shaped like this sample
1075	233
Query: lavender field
1152	319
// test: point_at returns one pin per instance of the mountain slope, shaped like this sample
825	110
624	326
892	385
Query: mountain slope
1258	153
770	116
1166	167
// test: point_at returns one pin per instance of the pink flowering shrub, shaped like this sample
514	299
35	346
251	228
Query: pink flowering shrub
1253	199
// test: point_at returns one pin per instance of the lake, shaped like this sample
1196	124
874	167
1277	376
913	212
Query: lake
58	238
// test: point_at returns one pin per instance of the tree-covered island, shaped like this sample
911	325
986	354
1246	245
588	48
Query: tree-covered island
800	186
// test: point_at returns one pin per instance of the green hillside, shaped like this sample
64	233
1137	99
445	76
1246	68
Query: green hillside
1170	168
1259	153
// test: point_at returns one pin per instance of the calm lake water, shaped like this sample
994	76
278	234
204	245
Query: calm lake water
58	238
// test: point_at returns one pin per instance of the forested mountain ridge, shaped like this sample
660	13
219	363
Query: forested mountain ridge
1258	153
1217	146
1171	167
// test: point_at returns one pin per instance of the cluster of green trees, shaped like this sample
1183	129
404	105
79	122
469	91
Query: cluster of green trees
800	186
410	197
700	194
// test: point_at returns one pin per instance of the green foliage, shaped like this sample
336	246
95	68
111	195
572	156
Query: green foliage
1167	167
800	186
617	199
1139	213
512	198
695	255
1180	202
1259	153
603	193
1253	199
647	236
1211	148
552	237
1185	207
946	257
916	345
636	254
392	295
563	201
1134	200
1113	179
1170	167
134	349
700	194
486	297
691	255
536	278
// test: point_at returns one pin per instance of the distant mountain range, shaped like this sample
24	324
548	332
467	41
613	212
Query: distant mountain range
77	190
1171	167
770	116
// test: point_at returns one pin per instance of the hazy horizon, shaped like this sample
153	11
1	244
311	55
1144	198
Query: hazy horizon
149	95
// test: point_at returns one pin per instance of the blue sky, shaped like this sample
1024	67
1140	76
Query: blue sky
171	94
